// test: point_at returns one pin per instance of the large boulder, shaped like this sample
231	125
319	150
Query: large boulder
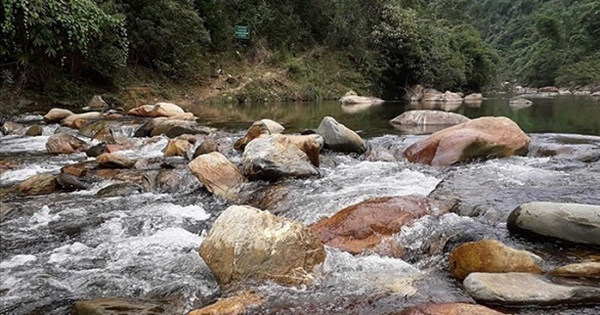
157	110
364	225
526	289
55	115
450	309
246	243
42	184
233	305
485	138
114	160
473	98
217	174
351	98
429	117
436	96
580	270
274	157
576	223
174	128
63	143
116	306
491	256
263	127
339	137
79	120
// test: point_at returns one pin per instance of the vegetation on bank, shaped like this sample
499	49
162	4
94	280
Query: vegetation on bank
302	50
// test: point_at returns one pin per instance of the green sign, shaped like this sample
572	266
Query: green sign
242	32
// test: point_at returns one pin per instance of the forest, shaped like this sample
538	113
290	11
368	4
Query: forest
61	48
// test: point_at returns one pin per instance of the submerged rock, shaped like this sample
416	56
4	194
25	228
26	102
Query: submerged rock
63	143
114	160
526	289
352	98
339	137
450	309
232	305
485	138
157	110
55	115
116	306
577	223
429	117
491	256
246	243
42	184
583	270
364	225
217	174
275	157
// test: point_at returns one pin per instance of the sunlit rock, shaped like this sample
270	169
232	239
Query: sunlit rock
157	110
233	305
56	115
428	117
63	143
177	147
339	137
79	120
246	243
450	309
96	103
114	160
491	256
42	184
580	270
263	127
483	138
217	174
352	98
548	89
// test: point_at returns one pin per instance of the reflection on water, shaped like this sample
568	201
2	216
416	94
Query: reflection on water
562	114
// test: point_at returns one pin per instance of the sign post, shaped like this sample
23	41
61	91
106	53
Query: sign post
242	32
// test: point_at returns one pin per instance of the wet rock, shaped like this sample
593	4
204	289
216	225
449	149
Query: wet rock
42	184
177	147
352	98
120	189
63	143
105	135
340	138
79	120
247	244
364	225
34	131
275	157
583	270
217	174
126	175
114	160
450	309
259	128
55	115
233	305
577	223
176	128
157	110
93	127
96	103
429	117
115	306
491	256
6	165
207	146
77	170
519	102
483	138
9	128
311	145
70	183
525	289
96	150
168	181
145	130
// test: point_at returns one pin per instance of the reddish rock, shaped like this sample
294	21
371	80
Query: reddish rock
485	137
6	165
63	143
450	309
233	305
78	170
364	225
217	174
42	184
580	270
114	160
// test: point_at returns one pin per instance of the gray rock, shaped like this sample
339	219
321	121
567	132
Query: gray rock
96	150
115	306
429	117
70	183
120	189
339	137
576	223
525	289
207	146
146	129
176	128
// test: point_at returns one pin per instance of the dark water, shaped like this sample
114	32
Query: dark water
560	114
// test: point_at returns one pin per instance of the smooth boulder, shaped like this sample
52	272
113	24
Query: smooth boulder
352	98
483	138
491	256
157	110
79	120
519	102
436	96
577	223
275	157
428	117
340	138
55	115
364	225
217	174
473	98
114	160
263	127
526	289
580	270
63	143
246	243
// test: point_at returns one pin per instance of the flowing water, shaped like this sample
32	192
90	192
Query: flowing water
64	247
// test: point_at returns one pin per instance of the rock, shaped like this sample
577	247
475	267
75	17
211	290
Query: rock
217	174
473	98
364	225
63	143
414	93
525	289
548	89
184	116
6	165
105	135
114	160
577	223
484	138
435	96
157	110
34	131
311	145
450	309
274	157
563	91
78	120
340	138
491	256
145	130
259	128
70	183
177	147
96	150
120	189
115	306
582	93
351	98
176	128
9	128
207	146
55	115
429	117
171	181
42	184
583	270
519	102
96	103
77	170
246	243
233	305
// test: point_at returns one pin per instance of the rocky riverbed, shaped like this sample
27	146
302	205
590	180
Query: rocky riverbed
140	213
